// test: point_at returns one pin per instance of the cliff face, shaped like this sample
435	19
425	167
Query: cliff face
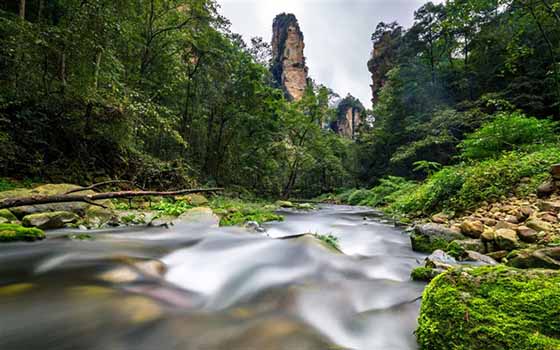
386	40
288	62
350	115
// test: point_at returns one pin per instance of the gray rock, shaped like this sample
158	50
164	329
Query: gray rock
440	260
50	220
480	258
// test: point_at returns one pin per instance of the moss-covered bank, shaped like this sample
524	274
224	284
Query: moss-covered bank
491	308
12	233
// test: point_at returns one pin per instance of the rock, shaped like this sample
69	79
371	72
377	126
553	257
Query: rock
429	237
490	308
506	225
506	239
549	206
489	221
488	235
546	189
285	204
549	218
440	260
4	220
163	221
200	215
511	219
50	189
97	217
472	228
499	255
479	258
312	240
50	220
196	200
288	61
539	225
527	234
305	206
524	213
471	244
13	232
255	227
6	214
555	171
440	218
424	274
547	258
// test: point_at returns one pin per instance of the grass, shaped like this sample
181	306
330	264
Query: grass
328	239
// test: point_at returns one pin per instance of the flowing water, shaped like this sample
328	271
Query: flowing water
198	287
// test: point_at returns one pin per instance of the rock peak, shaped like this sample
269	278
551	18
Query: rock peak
288	61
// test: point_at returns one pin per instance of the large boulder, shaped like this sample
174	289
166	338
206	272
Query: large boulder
548	258
555	171
50	220
527	234
13	232
546	189
430	237
196	200
47	190
491	308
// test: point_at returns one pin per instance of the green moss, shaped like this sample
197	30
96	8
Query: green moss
455	250
329	239
6	214
11	233
424	274
491	308
170	208
425	244
236	212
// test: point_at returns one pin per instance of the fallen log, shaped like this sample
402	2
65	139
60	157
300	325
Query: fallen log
67	198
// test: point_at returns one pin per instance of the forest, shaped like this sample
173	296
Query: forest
453	168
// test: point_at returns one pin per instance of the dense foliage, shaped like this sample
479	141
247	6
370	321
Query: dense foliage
157	91
459	65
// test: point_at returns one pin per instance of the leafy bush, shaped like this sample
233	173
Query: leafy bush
463	186
506	133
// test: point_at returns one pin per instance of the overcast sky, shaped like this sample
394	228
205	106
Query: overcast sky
337	34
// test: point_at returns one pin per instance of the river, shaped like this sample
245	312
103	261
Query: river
195	287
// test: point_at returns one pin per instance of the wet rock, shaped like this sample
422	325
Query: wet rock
472	228
488	235
547	258
13	233
505	225
440	260
163	221
506	239
489	221
254	227
97	217
527	234
200	215
50	220
285	204
429	237
539	225
306	206
549	218
424	274
312	240
549	206
511	219
471	244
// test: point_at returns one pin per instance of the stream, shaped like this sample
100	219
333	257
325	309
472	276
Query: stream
193	287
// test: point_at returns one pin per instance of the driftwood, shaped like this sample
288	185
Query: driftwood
90	199
111	182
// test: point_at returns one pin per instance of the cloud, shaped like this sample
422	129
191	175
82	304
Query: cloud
337	33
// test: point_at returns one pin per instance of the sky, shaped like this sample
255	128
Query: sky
337	34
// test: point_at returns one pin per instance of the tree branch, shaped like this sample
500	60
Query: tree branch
67	198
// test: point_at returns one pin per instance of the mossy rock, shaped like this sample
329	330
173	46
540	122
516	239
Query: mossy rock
428	238
285	204
424	274
196	200
50	220
316	240
13	233
8	215
45	190
491	308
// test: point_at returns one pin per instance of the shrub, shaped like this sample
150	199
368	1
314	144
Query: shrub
506	133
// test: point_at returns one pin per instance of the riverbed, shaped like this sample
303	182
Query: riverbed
194	286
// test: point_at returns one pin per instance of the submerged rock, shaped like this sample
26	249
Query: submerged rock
50	220
491	308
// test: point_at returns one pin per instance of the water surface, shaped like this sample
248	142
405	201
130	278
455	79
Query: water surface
198	287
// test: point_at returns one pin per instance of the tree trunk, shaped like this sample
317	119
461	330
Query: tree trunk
22	9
